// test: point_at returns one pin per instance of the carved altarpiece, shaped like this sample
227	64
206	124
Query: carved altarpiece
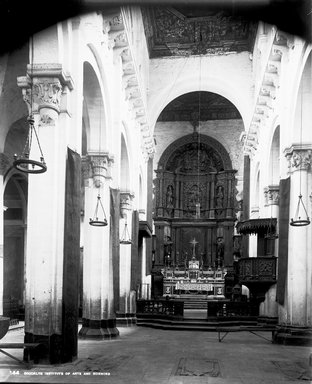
194	198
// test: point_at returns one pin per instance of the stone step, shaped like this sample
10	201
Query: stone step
291	339
199	323
202	326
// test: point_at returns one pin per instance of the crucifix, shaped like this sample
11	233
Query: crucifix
193	242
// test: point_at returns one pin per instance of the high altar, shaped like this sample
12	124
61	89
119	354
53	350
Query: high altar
194	279
195	198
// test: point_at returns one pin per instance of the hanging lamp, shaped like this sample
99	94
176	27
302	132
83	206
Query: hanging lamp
197	205
125	237
23	162
99	217
301	218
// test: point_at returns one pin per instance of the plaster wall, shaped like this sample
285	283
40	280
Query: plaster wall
230	76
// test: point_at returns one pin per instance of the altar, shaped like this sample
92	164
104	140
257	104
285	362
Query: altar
194	279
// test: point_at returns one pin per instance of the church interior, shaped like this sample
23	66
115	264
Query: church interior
155	174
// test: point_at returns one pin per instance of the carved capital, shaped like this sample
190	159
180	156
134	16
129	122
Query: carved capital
100	167
47	93
271	195
42	87
299	157
4	163
116	23
125	203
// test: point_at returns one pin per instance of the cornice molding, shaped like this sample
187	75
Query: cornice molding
266	97
120	43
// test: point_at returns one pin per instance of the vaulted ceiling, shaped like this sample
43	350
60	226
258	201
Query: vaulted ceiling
199	106
183	31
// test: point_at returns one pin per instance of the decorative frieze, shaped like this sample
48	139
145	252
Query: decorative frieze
267	90
299	157
130	78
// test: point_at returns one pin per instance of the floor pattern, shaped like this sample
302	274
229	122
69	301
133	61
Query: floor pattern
198	367
295	370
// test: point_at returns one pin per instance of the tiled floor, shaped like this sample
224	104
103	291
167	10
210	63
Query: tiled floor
143	355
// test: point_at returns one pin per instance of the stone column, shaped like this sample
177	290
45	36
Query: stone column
98	315
4	164
45	218
299	248
124	313
269	307
246	203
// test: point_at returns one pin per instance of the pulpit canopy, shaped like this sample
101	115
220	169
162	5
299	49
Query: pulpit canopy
256	226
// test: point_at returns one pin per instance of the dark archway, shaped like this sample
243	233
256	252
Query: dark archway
15	203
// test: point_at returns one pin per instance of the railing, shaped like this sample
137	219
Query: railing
160	308
257	269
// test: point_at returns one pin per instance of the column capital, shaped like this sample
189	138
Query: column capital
49	81
126	198
299	157
271	195
100	165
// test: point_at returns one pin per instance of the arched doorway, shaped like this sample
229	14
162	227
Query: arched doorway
15	219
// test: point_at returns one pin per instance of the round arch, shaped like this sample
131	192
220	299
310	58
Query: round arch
298	94
94	127
203	139
274	157
124	166
209	84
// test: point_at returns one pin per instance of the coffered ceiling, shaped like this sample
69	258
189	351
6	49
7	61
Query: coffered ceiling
183	31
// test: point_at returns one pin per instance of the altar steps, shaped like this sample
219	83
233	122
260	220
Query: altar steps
194	324
193	301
